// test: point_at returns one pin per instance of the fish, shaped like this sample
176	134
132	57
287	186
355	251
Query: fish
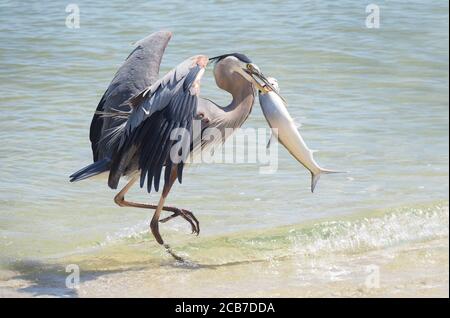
285	130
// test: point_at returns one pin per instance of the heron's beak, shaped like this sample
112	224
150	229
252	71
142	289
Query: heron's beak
258	77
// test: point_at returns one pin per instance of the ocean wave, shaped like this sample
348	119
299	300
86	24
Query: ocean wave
389	229
352	234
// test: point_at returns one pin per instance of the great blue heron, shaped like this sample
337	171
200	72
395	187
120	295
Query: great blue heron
130	131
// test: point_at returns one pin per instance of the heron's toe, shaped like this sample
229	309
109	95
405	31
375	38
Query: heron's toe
194	222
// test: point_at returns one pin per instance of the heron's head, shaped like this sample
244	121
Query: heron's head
241	64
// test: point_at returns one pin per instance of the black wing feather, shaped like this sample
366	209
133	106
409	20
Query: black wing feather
95	131
149	143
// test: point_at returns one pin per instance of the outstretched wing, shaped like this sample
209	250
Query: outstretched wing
140	70
169	104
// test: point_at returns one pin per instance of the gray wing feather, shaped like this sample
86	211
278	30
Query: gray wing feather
140	70
166	105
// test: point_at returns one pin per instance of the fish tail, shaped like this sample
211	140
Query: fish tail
315	176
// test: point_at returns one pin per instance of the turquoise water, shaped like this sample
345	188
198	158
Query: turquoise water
374	102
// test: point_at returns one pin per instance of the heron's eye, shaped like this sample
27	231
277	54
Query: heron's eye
249	67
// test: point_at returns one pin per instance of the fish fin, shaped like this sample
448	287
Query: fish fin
314	179
316	176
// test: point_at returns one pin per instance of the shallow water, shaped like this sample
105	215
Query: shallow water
373	101
407	247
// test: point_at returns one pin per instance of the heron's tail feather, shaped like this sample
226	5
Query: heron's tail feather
91	170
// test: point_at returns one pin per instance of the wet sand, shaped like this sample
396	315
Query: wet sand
412	270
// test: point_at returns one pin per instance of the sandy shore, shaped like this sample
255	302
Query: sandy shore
412	270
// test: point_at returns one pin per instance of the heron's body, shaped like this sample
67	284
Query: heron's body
131	129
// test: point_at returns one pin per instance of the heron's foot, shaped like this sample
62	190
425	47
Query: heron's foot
172	253
188	216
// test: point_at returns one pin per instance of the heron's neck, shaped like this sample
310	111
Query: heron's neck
243	94
241	105
242	91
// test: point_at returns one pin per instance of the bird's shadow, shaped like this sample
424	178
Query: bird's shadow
185	263
49	280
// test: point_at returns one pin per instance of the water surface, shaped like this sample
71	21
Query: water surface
373	101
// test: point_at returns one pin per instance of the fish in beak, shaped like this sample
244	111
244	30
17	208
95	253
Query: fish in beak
285	130
262	82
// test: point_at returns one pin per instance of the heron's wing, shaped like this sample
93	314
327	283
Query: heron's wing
169	104
140	70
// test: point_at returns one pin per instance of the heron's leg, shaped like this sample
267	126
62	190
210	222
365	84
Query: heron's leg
154	223
119	199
